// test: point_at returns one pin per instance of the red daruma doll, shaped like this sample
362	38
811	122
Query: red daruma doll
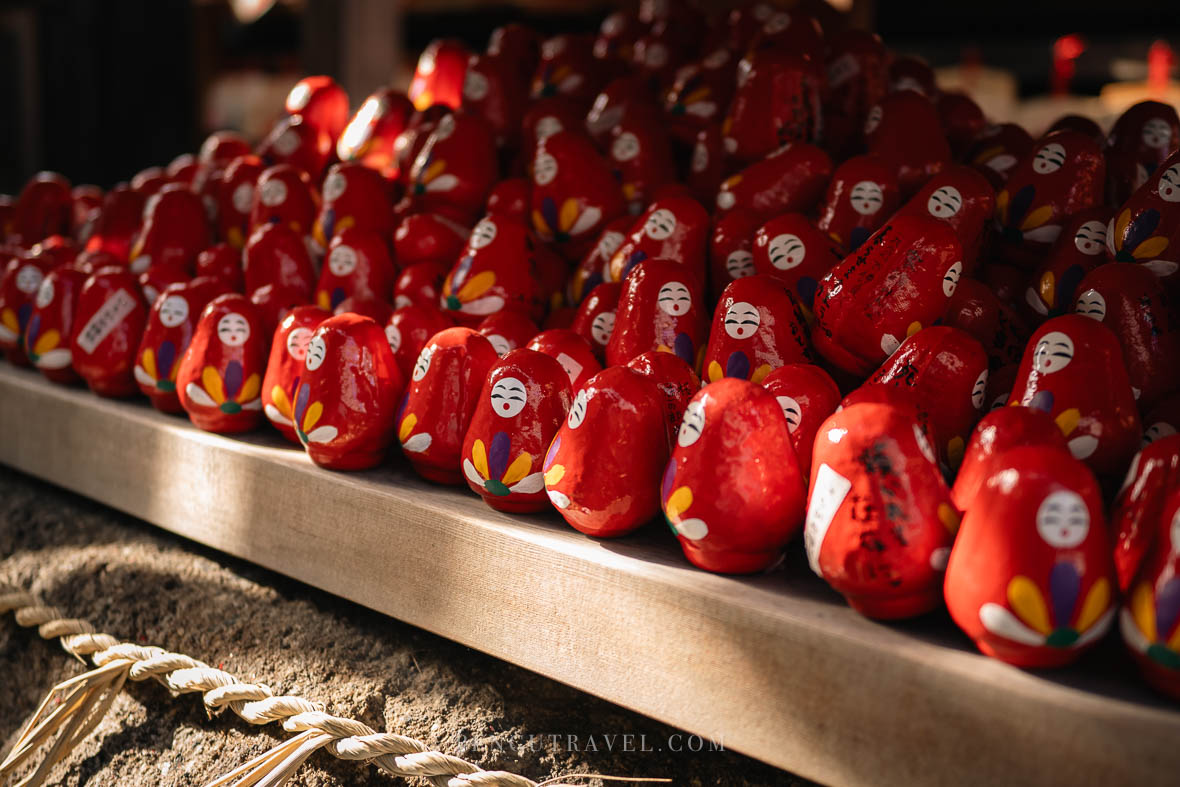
1030	578
221	375
879	520
284	367
108	324
1150	622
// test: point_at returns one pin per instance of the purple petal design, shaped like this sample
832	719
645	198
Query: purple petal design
22	315
551	454
1043	401
401	408
633	259
1066	285
328	223
738	365
549	213
1167	607
669	478
807	288
233	379
592	281
858	236
1140	229
338	295
294	387
498	455
682	346
164	358
33	330
301	401
1020	204
461	271
1064	586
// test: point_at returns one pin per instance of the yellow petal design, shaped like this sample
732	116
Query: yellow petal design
949	518
1096	603
407	427
312	416
715	372
323	300
1120	227
1151	248
760	373
678	502
1002	206
47	342
149	363
476	286
1037	217
1048	281
915	326
1029	605
1067	421
212	382
519	468
554	474
8	317
954	451
250	389
1143	610
568	215
433	171
539	223
280	401
479	458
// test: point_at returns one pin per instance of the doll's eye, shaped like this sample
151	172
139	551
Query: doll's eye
945	202
979	390
692	425
787	251
1063	520
508	397
741	320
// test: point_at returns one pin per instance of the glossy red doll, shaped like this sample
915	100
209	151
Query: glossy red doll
456	168
170	324
1057	374
175	229
321	103
47	334
346	405
438	78
975	309
900	281
510	197
856	81
617	35
574	193
222	261
494	91
602	471
1130	300
905	131
524	400
776	102
1154	473
520	44
733	492
420	284
294	141
1000	430
354	197
595	319
44	207
640	154
1146	230
791	32
700	93
546	117
19	282
861	196
675	379
275	255
357	265
571	350
370	134
113	230
285	367
428	237
592	269
567	68
660	308
496	271
1030	578
808	395
408	330
962	198
793	250
879	519
757	327
731	248
792	179
996	150
441	396
220	375
1140	140
108	324
284	195
234	190
675	228
1149	619
507	330
1063	175
1053	286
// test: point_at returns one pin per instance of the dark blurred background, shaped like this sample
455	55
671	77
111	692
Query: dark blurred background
100	89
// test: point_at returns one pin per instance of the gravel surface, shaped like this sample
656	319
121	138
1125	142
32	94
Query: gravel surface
148	586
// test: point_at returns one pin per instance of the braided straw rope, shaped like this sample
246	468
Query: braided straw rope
117	661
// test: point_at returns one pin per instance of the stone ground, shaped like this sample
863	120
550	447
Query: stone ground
145	585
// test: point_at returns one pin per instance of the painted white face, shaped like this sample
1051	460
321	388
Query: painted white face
578	410
547	127
297	341
656	56
874	119
866	197
1091	304
334	186
342	261
243	197
786	251
739	264
500	344
299	96
602	327
1063	519
483	234
174	311
944	202
674	299
1157	133
950	280
692	425
508	397
287	143
1049	159
475	86
625	147
609	243
393	336
1169	185
979	390
28	279
1090	238
660	224
741	320
45	293
1053	353
233	329
700	158
423	362
791	410
1174	531
1155	432
777	23
544	169
274	193
317	351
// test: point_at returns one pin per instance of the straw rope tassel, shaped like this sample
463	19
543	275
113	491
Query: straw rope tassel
82	701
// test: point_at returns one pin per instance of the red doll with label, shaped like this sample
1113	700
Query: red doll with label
108	324
777	101
1154	473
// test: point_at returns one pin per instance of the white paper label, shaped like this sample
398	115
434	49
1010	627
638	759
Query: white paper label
105	319
826	496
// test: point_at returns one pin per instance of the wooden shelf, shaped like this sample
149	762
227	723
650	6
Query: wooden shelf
774	666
